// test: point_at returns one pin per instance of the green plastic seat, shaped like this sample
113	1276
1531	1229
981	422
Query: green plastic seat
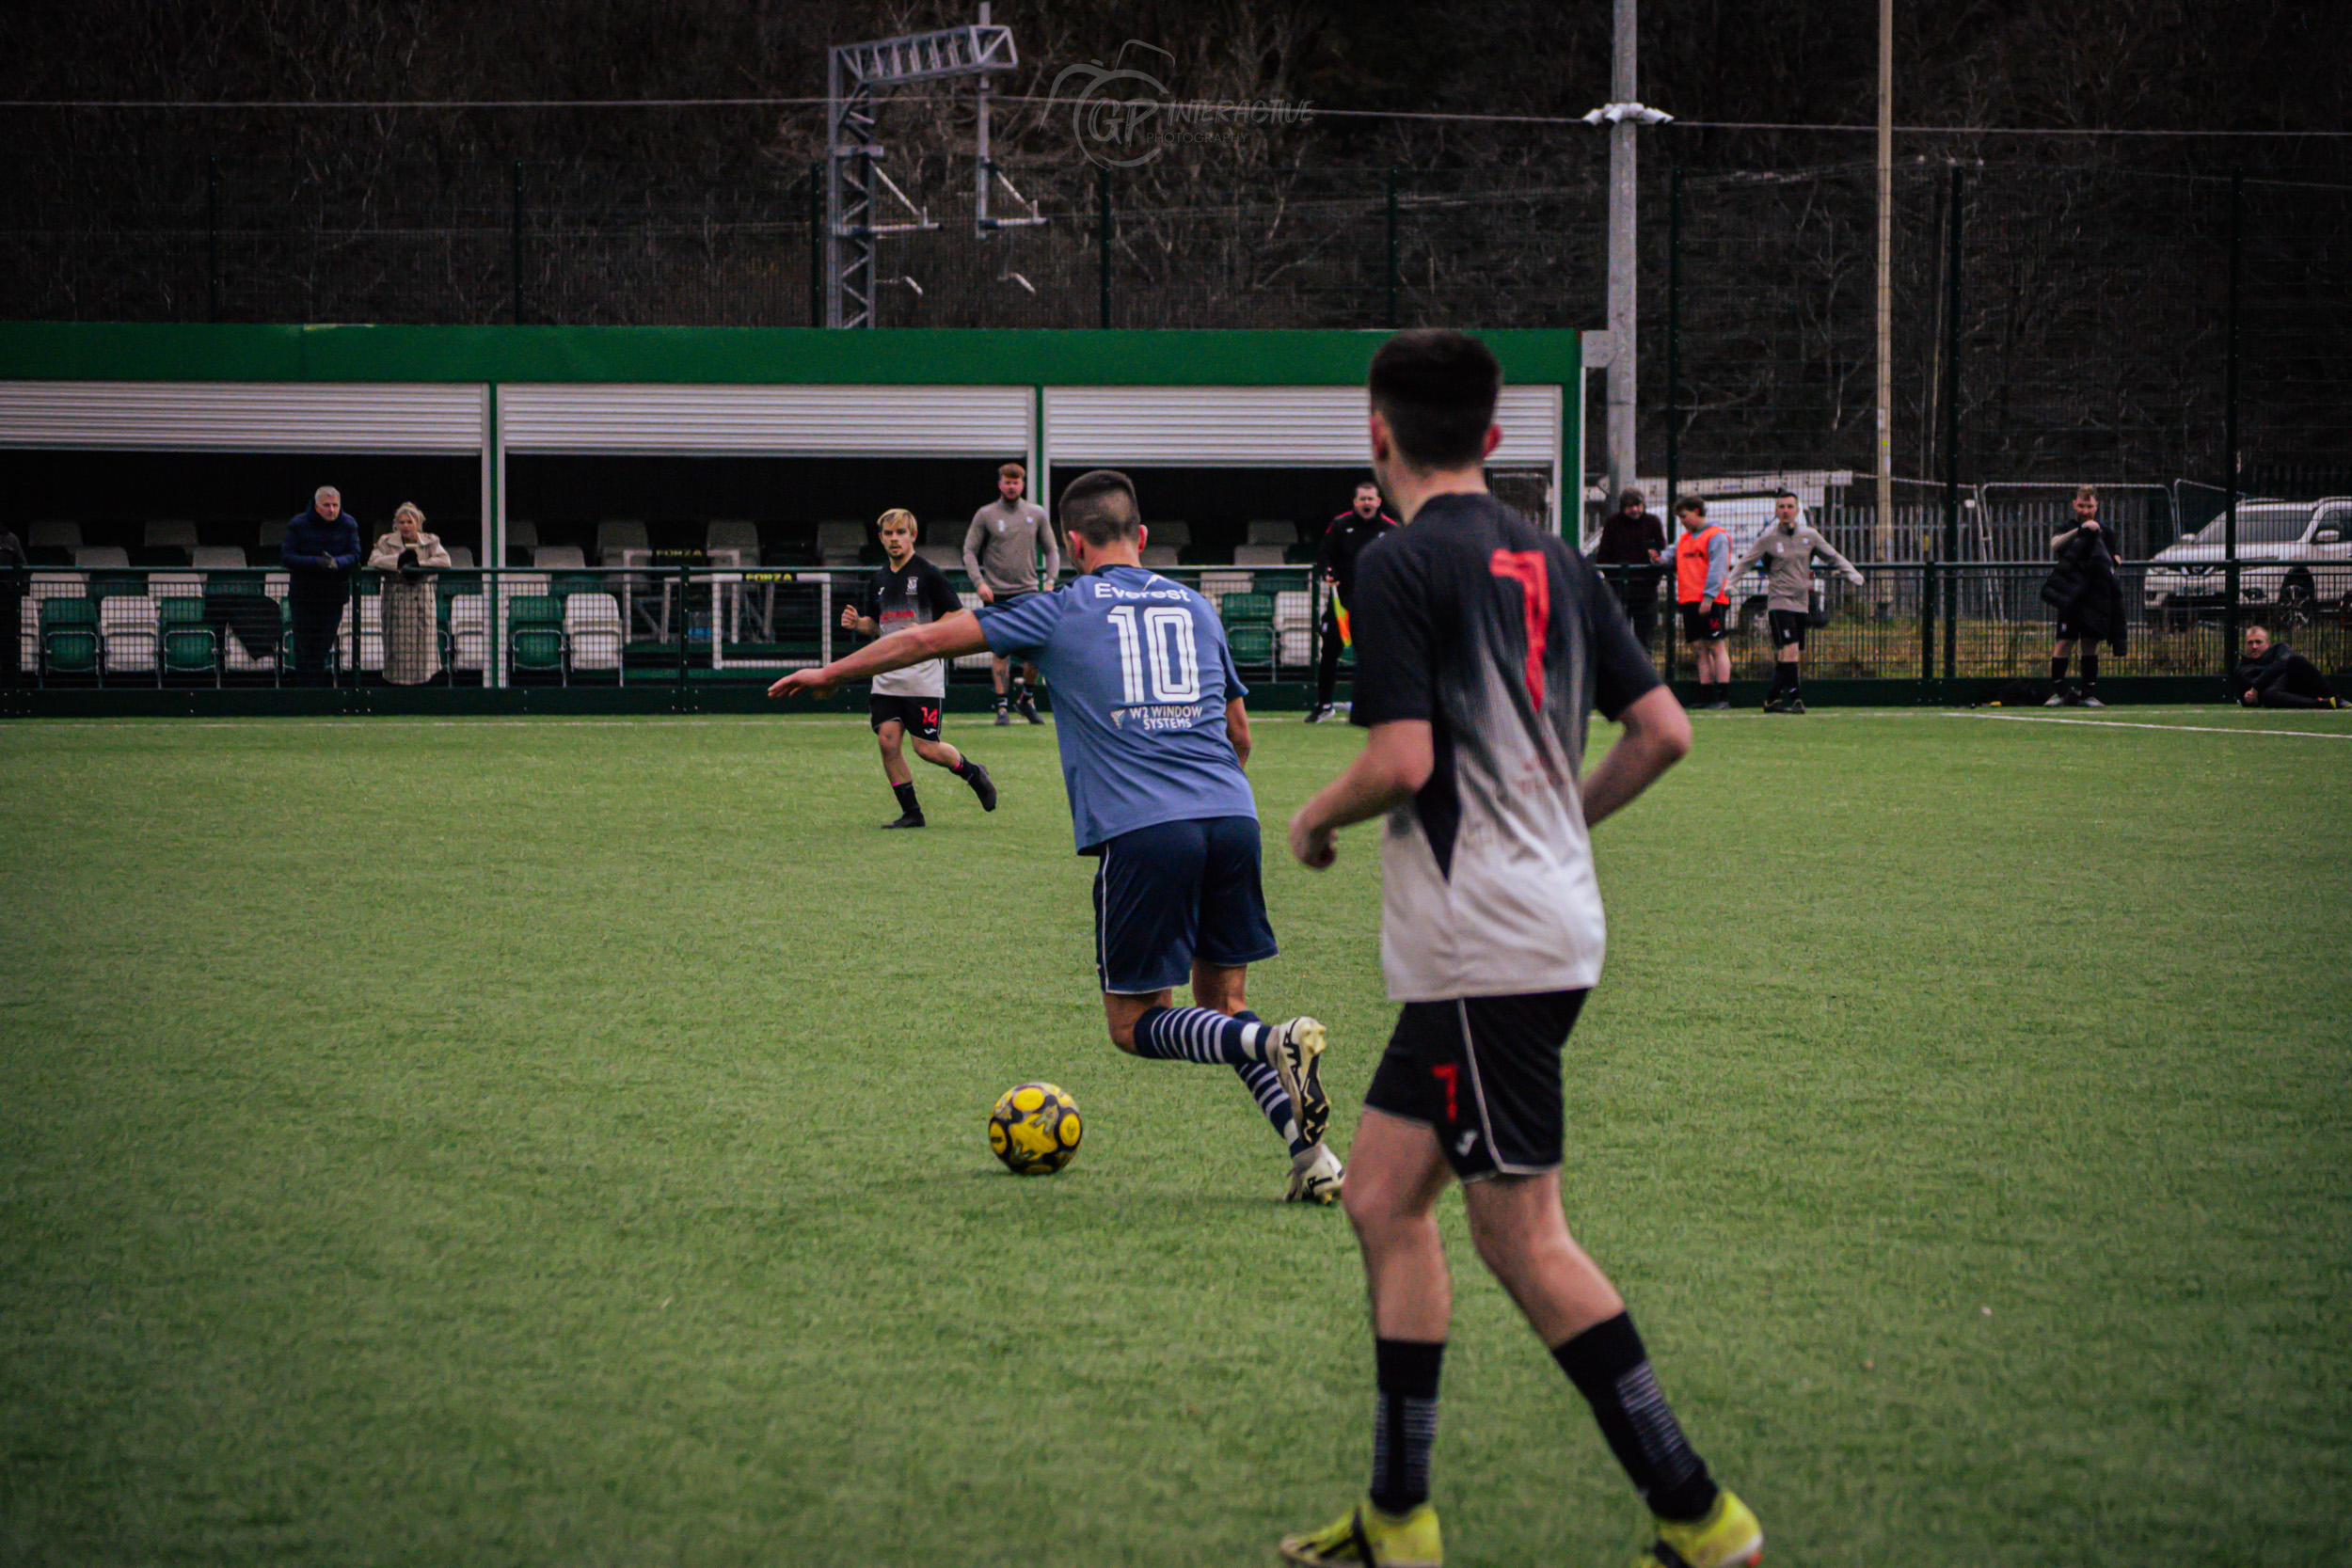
1246	609
535	642
1251	645
190	646
69	639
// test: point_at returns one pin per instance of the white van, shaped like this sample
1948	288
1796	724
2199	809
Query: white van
2296	555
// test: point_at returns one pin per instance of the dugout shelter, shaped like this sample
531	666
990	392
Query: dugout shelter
763	453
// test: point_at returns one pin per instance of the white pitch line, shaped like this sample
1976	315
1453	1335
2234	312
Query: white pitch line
2129	724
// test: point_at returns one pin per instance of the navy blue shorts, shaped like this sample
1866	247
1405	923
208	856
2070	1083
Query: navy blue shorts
1168	894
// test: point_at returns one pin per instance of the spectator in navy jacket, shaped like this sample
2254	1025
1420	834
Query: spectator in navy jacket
321	547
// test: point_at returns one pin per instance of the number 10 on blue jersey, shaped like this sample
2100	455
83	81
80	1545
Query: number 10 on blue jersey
1163	647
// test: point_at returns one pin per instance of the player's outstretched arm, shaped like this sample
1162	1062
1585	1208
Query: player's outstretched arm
1657	736
1395	762
952	638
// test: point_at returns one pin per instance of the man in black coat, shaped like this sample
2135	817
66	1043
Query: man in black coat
1633	547
1335	568
12	579
2087	591
2274	676
321	547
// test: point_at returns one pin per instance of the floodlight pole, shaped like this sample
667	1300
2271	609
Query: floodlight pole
1622	391
1883	533
854	72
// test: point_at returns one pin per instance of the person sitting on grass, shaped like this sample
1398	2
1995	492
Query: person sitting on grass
2274	676
907	591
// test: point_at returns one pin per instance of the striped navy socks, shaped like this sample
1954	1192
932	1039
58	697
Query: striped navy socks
1199	1034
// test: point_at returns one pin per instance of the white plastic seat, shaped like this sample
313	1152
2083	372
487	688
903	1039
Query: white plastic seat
1257	555
1159	555
175	585
277	585
1297	647
470	631
948	558
1175	534
272	535
216	558
559	558
622	542
731	542
170	532
1215	585
371	632
460	556
126	630
101	556
593	626
973	661
1293	610
1272	530
838	543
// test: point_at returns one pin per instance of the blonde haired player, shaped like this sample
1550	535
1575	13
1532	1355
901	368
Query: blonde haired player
909	591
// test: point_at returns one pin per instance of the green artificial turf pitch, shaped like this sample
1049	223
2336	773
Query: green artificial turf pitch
544	1141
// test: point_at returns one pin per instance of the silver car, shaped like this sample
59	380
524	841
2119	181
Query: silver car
2294	555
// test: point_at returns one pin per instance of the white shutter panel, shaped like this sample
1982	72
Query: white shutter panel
804	422
1259	427
240	415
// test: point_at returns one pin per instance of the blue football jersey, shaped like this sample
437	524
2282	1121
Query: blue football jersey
1141	675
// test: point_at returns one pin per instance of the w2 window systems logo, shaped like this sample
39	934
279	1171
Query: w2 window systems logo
1124	116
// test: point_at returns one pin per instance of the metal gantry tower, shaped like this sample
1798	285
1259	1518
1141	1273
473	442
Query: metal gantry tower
856	73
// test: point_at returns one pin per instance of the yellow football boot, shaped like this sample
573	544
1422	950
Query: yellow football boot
1729	1534
1365	1535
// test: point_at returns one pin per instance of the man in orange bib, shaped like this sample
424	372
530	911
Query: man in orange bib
1702	589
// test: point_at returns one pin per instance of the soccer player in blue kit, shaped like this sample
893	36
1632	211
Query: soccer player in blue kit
1153	738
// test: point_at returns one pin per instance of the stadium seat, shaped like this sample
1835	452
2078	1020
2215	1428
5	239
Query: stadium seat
1250	645
622	542
269	539
1293	610
1246	610
732	542
70	643
1174	533
948	558
1259	555
470	631
535	642
522	537
215	558
101	556
1297	647
558	558
1214	586
190	646
1159	555
53	534
174	531
371	633
839	544
1272	530
592	631
461	558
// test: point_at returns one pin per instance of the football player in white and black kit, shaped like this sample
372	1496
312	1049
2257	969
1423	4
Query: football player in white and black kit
909	591
1483	645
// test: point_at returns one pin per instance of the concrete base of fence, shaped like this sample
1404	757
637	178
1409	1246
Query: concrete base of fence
1272	698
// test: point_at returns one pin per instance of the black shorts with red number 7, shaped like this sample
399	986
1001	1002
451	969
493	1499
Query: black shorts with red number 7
1482	1073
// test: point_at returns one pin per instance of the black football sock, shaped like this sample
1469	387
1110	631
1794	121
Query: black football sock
1000	701
905	792
1796	681
1612	1370
2091	671
1404	1422
962	769
2058	669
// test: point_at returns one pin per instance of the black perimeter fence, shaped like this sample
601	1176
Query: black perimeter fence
2172	336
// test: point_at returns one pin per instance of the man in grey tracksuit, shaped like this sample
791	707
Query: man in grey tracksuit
1787	548
1001	551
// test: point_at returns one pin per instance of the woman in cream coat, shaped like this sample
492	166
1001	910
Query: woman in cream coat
412	643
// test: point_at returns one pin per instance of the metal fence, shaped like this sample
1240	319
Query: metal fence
1910	621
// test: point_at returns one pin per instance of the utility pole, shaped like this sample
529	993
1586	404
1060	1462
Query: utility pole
1883	533
1623	466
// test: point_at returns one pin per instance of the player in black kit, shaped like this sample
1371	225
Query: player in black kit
909	591
1335	568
